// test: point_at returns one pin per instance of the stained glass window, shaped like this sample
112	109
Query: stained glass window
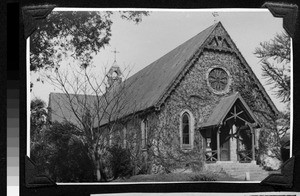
185	129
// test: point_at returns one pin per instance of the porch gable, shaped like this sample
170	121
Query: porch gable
221	111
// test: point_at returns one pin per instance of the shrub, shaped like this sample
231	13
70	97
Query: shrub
143	169
61	155
120	162
204	177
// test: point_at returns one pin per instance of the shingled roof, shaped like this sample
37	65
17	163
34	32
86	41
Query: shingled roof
147	87
223	107
149	84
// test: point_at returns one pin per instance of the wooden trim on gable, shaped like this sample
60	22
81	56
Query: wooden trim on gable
194	58
257	82
177	79
190	62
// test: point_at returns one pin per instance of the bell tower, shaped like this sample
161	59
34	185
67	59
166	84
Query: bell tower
114	75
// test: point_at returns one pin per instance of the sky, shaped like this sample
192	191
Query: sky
139	45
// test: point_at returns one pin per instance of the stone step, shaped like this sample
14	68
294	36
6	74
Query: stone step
234	167
238	170
243	169
253	177
243	173
241	166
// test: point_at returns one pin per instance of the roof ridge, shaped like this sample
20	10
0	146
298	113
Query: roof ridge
260	86
211	28
58	93
223	107
153	63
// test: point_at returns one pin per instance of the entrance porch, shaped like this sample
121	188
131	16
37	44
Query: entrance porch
229	132
235	143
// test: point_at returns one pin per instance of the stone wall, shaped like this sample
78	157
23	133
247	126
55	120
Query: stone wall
164	152
194	94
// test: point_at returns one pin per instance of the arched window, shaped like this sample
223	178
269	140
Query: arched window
144	127
185	129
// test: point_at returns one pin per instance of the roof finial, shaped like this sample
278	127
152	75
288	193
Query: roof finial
115	51
215	15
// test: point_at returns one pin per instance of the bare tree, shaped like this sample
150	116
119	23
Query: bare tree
93	105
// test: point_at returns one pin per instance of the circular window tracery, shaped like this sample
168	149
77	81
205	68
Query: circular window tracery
218	79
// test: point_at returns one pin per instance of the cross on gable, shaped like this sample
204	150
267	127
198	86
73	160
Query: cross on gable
215	15
115	51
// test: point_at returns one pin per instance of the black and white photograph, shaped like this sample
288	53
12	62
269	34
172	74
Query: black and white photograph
159	95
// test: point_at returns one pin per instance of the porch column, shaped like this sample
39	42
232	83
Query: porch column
218	142
238	145
233	144
253	137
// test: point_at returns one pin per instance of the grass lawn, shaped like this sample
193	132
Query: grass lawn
179	177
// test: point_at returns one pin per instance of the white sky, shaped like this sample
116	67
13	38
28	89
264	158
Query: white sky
139	45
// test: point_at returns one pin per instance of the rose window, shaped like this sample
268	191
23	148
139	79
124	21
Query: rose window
218	79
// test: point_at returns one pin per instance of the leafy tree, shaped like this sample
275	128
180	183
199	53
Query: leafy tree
275	57
78	36
62	155
38	119
57	149
74	34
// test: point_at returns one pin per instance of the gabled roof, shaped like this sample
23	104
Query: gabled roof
150	86
146	87
61	106
222	109
74	108
261	88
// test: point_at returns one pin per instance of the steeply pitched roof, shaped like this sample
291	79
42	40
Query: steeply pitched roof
146	88
62	106
261	88
150	83
224	106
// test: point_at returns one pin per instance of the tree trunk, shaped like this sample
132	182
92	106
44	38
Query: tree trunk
96	161
98	173
101	170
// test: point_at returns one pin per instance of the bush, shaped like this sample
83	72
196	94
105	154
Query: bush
143	169
61	155
120	162
204	177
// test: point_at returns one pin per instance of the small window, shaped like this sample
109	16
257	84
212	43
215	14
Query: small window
144	128
185	129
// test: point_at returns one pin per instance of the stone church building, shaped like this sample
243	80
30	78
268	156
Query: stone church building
198	105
